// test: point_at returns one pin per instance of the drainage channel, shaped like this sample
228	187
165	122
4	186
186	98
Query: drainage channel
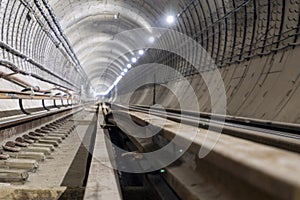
76	178
135	186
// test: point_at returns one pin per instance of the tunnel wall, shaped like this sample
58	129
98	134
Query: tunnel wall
255	45
30	43
33	50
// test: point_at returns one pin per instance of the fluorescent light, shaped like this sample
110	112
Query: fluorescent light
125	70
123	74
118	79
129	66
141	52
170	19
134	60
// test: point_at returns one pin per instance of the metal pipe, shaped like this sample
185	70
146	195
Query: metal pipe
31	61
60	36
14	68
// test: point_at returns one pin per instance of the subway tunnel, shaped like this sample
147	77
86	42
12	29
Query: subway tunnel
160	99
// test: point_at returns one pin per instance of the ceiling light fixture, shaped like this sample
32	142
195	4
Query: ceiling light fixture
151	39
133	60
141	52
170	19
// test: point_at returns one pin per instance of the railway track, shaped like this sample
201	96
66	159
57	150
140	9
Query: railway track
51	157
42	155
279	135
253	161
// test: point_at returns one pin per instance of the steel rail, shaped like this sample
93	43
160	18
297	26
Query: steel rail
273	125
288	139
26	118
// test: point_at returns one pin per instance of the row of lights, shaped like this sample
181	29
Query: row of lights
170	20
134	59
128	67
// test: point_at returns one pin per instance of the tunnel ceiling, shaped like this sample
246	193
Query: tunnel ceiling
91	25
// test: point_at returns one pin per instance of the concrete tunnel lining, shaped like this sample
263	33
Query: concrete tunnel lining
254	43
139	99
